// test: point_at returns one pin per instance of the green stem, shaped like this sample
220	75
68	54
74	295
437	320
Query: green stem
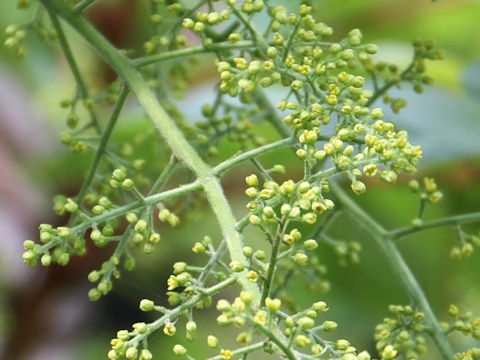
271	269
146	202
447	221
229	163
84	5
291	37
288	352
147	60
263	103
164	175
174	313
169	131
388	85
401	269
74	68
107	133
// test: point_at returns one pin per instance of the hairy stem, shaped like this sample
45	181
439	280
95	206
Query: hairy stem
167	128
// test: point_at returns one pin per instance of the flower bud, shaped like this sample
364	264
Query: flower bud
329	325
236	266
358	187
179	350
310	244
131	353
146	305
273	305
212	341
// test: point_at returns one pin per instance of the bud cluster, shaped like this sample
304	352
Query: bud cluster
400	336
463	322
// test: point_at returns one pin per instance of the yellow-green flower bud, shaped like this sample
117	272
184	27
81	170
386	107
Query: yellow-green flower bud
363	356
145	354
212	341
169	329
131	218
236	266
254	220
94	294
309	218
342	344
301	153
302	340
320	306
141	225
273	305
252	180
179	349
146	305
198	248
300	258
358	187
310	244
226	354
329	325
306	322
260	317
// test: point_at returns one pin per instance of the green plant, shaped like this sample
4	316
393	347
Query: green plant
323	83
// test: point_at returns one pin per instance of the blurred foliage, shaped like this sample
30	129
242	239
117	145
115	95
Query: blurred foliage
358	291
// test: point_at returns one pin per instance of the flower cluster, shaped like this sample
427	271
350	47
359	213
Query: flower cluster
299	202
326	114
301	331
400	336
414	73
225	120
463	322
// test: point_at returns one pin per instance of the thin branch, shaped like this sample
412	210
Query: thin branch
398	265
74	68
446	221
165	56
103	143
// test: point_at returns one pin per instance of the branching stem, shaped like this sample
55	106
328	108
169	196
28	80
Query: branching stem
167	128
82	87
390	252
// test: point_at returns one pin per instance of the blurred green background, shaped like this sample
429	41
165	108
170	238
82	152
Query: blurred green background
45	314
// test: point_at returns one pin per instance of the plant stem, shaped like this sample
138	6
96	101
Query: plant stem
271	268
174	313
169	131
147	201
107	133
398	265
288	353
446	221
229	163
263	103
387	86
147	60
74	68
84	5
164	175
